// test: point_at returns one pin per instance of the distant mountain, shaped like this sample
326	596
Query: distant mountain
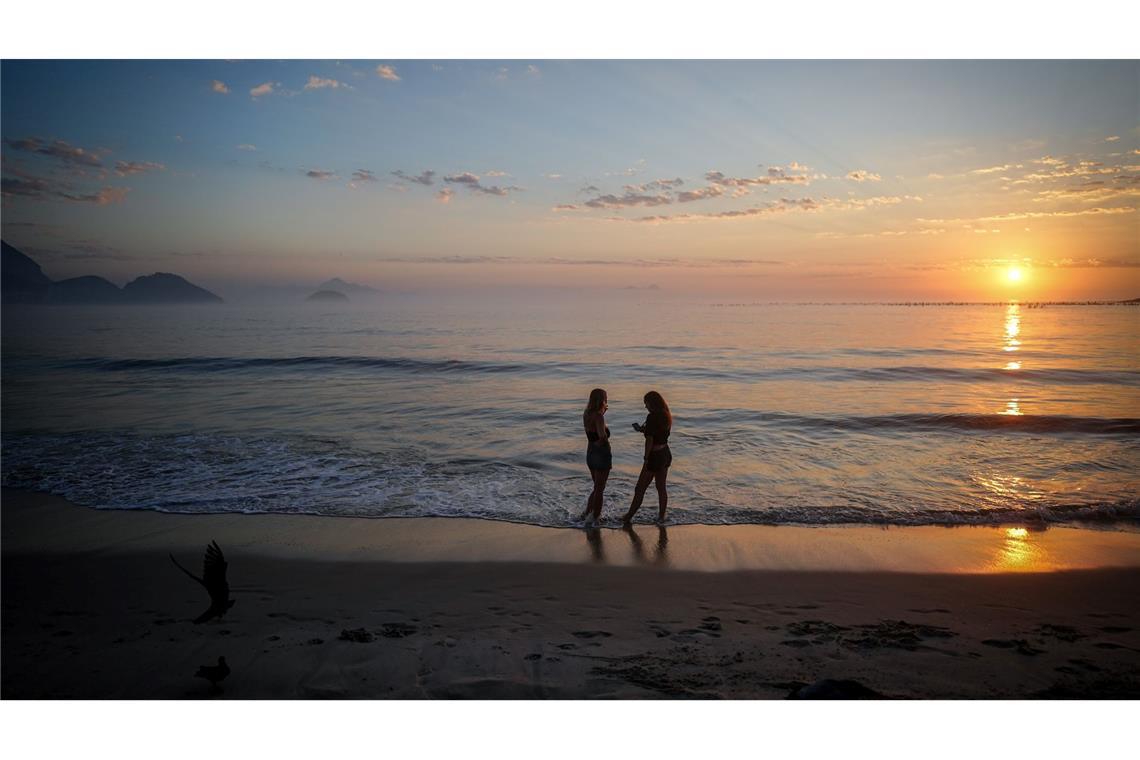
25	282
21	279
328	296
163	287
88	289
348	288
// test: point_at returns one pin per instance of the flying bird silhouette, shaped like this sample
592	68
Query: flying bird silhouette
214	673
213	580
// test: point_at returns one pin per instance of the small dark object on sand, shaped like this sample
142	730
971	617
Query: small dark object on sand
359	635
213	580
214	673
832	689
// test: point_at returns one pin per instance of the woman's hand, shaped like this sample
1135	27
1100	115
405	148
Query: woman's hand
637	426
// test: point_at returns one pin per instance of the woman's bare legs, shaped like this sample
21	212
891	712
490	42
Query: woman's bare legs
638	494
594	502
662	495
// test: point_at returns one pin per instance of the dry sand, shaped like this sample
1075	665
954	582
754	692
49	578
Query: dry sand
348	608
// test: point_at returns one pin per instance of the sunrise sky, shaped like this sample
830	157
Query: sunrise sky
768	180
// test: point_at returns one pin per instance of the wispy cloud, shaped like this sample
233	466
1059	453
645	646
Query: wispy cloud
58	149
127	168
472	182
250	147
265	88
426	177
320	83
996	169
219	87
700	194
364	175
384	71
561	261
445	195
862	175
1020	215
629	199
320	174
775	176
103	197
1112	138
781	206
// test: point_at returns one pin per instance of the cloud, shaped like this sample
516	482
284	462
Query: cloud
42	188
1112	138
317	83
781	206
28	187
219	87
775	176
862	175
250	147
320	174
700	194
364	175
567	207
384	71
266	88
425	178
466	178
127	168
57	149
996	169
628	199
104	197
472	182
1017	215
445	195
932	175
494	173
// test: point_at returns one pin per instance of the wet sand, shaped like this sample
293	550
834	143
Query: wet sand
408	609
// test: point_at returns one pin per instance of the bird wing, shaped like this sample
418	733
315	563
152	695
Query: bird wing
214	569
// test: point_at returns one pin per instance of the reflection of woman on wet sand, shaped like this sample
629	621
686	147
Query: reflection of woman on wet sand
598	456
660	556
657	455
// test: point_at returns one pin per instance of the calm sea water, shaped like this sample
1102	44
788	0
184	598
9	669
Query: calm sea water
783	413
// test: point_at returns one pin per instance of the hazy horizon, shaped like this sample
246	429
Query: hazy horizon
767	180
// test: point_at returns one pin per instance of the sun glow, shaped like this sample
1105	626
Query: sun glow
1014	274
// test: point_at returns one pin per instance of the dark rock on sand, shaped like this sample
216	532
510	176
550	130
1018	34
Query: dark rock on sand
832	689
359	635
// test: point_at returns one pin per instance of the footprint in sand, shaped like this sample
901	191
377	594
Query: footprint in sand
591	634
1021	646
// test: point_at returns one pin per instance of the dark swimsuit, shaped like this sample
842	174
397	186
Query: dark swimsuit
598	455
657	425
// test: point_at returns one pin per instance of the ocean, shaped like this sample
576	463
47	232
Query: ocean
783	413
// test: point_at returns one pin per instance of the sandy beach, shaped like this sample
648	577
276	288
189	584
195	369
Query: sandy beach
422	608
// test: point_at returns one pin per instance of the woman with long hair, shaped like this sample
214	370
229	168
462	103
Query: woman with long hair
598	455
657	458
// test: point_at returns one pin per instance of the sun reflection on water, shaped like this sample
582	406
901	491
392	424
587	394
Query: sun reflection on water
1019	552
1012	327
1013	408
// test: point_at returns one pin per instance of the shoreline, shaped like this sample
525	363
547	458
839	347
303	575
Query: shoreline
712	548
439	608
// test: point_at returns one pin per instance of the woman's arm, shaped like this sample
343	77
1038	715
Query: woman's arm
600	428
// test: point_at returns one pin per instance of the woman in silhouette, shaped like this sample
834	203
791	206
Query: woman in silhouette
598	456
657	458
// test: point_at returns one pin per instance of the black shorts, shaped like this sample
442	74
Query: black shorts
599	457
659	460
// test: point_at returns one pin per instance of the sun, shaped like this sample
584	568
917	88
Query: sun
1014	274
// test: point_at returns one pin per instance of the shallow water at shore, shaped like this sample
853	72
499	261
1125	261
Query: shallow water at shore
807	414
